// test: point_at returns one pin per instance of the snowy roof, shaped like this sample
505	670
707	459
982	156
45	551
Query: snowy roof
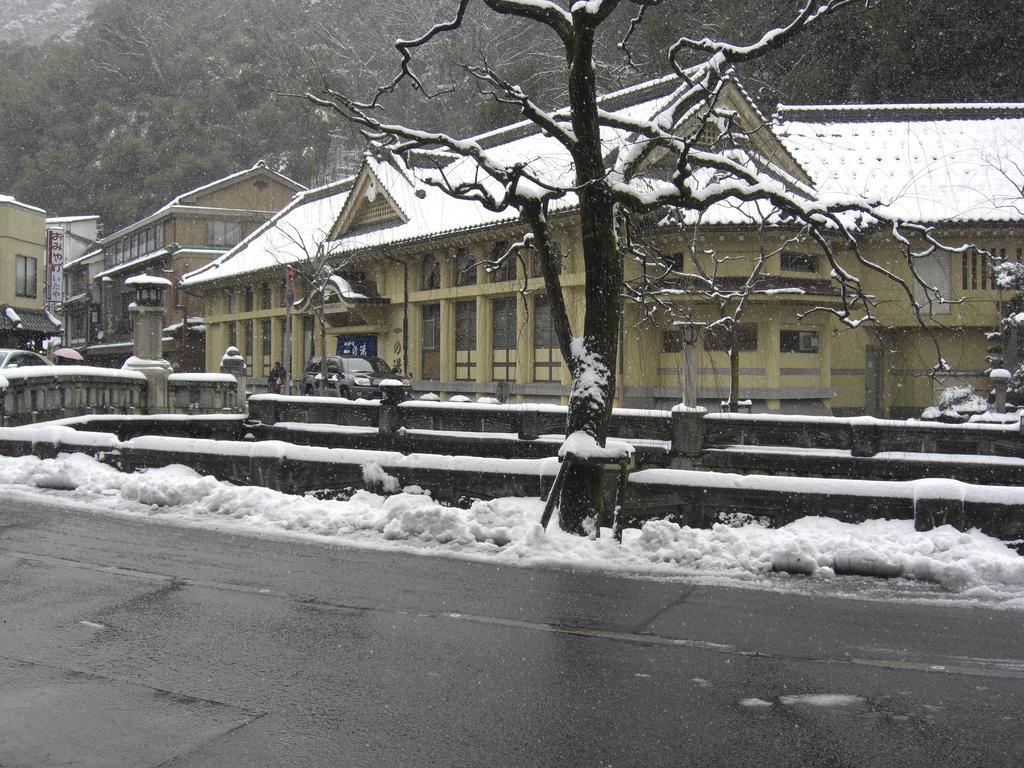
290	236
8	200
923	162
70	219
96	253
146	258
929	163
148	280
184	198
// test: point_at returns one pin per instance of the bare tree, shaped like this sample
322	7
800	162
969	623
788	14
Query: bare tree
314	271
604	185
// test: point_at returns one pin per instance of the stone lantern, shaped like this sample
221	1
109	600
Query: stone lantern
147	337
689	333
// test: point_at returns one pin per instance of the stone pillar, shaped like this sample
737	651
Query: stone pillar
147	339
1000	382
687	436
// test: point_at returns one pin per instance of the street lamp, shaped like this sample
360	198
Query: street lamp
689	333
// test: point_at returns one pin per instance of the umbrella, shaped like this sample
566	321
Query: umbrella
69	354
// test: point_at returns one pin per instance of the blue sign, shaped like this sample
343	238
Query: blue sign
357	346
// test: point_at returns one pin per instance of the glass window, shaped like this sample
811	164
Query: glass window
25	277
507	270
232	335
265	337
798	341
544	334
223	233
556	252
247	352
718	339
672	341
465	324
430	273
431	336
247	300
503	322
232	303
793	261
465	268
265	296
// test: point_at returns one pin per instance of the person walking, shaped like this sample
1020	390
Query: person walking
278	378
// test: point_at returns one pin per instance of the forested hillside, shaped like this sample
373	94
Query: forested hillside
152	97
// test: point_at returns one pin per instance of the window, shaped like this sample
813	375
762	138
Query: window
124	321
232	303
718	339
232	335
672	341
793	261
247	300
265	338
247	352
223	233
25	276
503	338
798	341
465	340
465	324
556	253
547	360
935	272
544	334
976	269
430	341
507	270
672	262
430	273
266	299
465	268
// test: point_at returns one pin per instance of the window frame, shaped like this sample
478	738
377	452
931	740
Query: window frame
24	287
795	257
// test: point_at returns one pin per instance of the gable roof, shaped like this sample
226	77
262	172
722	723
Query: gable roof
190	198
369	205
288	237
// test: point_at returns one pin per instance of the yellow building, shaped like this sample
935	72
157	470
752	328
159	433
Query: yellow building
186	233
410	280
23	322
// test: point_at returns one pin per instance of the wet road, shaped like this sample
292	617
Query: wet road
126	642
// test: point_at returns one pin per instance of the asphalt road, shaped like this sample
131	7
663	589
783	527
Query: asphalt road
128	642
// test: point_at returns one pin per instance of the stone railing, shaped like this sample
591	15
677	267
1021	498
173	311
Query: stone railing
686	432
202	393
692	498
46	393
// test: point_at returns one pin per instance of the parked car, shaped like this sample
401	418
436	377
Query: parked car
350	377
20	358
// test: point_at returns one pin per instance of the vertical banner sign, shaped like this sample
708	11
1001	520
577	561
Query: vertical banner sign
54	266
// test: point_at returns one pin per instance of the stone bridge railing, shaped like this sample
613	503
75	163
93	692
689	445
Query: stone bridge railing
45	393
686	432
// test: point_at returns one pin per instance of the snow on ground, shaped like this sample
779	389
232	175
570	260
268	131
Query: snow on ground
507	531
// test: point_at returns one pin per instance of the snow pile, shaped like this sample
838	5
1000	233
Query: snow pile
507	531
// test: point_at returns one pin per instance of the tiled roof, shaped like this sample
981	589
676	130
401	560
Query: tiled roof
28	320
926	163
932	163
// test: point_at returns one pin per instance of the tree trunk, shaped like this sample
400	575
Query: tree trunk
734	375
593	357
